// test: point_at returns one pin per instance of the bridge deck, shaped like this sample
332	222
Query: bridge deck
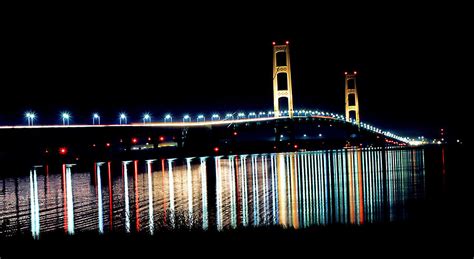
161	124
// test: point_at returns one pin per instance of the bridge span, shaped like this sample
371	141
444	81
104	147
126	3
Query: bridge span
250	135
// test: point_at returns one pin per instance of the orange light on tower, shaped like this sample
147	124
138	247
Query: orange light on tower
134	140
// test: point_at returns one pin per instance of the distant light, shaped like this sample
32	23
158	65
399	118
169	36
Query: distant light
65	115
355	72
320	135
146	116
162	138
96	115
457	140
216	149
168	116
235	134
345	73
186	117
215	117
30	115
287	42
107	145
134	140
273	43
304	135
123	116
63	151
296	146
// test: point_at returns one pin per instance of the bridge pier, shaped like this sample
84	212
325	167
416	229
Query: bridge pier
282	130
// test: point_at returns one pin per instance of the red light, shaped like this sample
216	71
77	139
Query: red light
273	43
355	72
287	42
216	149
149	139
107	145
235	133
345	73
93	145
134	140
63	151
296	146
162	138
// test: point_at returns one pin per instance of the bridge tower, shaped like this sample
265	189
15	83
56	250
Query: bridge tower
352	99
282	68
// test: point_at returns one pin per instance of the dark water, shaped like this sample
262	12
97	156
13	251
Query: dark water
296	190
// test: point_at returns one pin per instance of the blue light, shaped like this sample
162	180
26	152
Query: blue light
95	117
146	117
229	116
215	117
30	117
168	118
65	116
123	118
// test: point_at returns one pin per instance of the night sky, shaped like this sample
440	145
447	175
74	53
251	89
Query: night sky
412	62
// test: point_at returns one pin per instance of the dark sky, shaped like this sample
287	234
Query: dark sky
413	61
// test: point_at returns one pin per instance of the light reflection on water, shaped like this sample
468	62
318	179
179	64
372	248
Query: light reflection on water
295	190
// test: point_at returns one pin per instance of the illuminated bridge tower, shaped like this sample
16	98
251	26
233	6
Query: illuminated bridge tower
281	76
352	100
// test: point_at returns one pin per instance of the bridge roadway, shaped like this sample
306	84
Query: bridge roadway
162	124
211	123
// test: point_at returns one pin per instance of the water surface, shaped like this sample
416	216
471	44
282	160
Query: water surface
297	190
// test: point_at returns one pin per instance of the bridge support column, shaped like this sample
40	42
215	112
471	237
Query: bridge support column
282	69
352	99
284	135
182	138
